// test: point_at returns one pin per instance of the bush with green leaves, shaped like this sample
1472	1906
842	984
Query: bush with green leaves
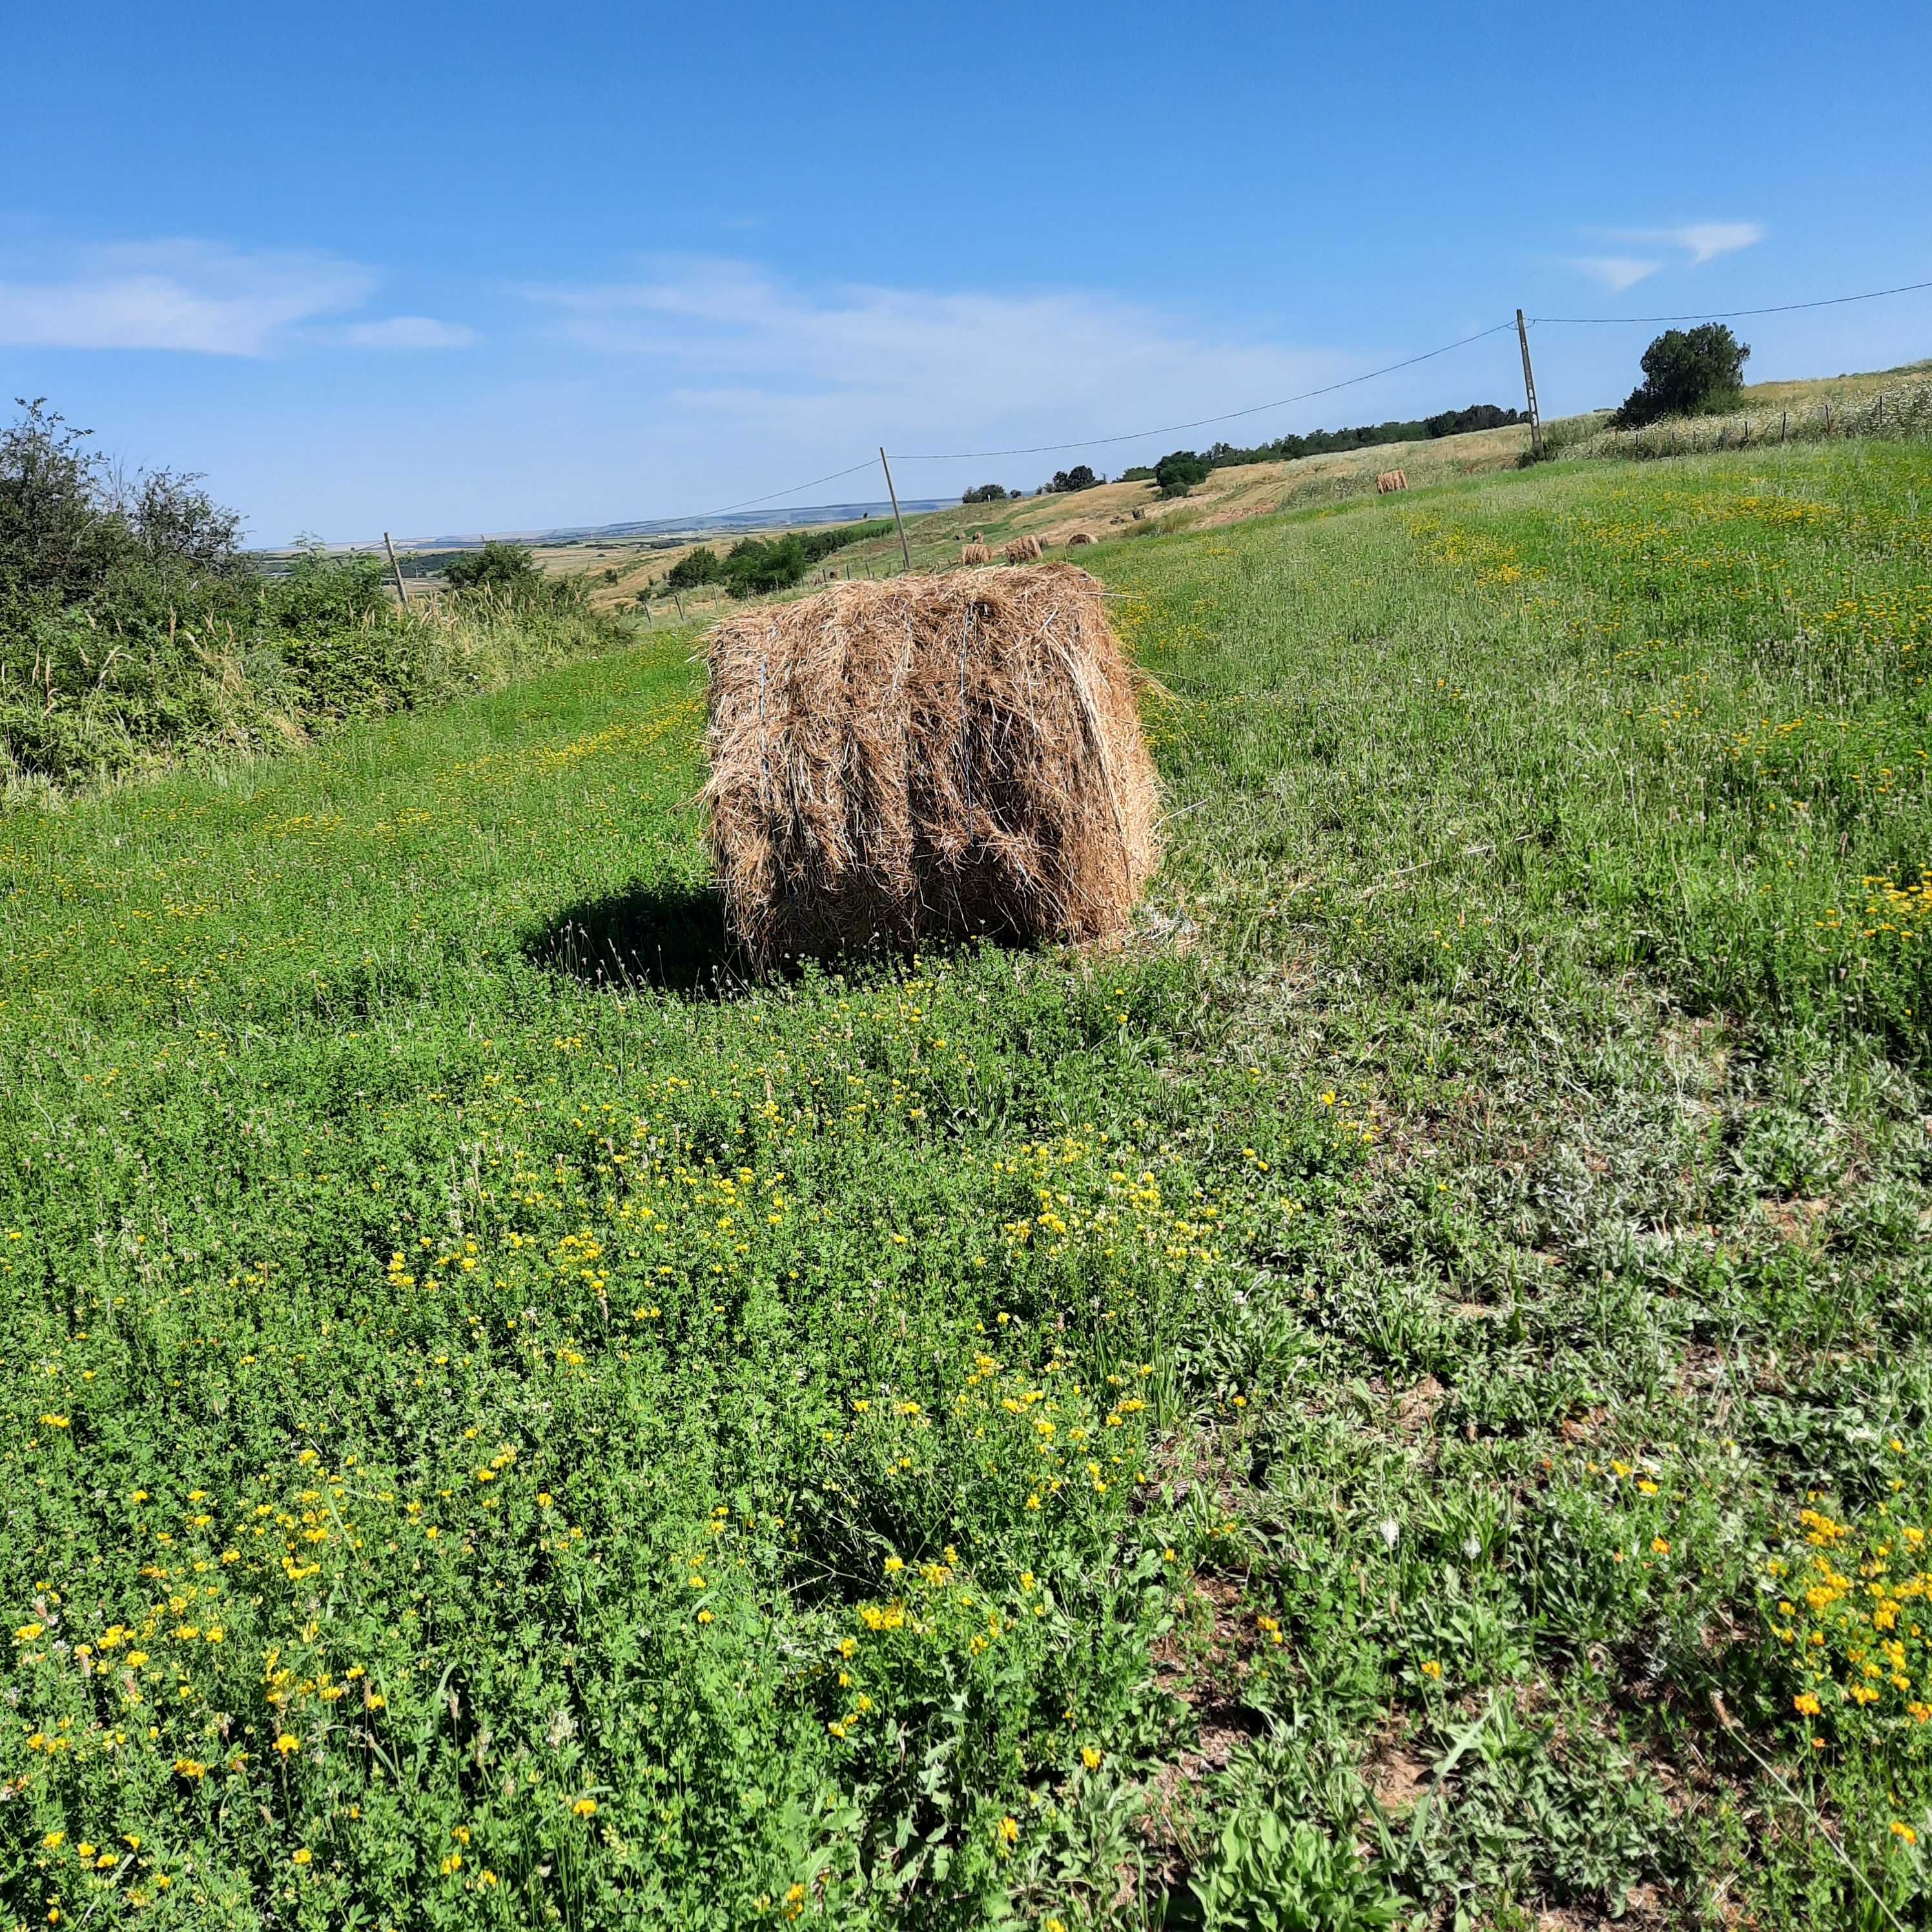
755	568
506	567
1686	372
694	569
1178	471
73	531
134	628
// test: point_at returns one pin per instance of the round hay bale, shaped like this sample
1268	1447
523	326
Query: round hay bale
975	554
927	759
1079	538
1023	550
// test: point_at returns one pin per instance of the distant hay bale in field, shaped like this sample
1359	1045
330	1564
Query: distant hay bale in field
1391	479
975	553
926	759
1079	538
1023	550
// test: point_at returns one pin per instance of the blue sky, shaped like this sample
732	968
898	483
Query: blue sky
443	269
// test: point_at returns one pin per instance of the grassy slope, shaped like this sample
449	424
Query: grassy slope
1459	1242
1228	496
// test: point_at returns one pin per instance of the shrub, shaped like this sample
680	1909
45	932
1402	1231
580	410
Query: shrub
755	568
72	532
325	591
1179	471
1567	434
700	566
1686	373
132	627
508	568
175	522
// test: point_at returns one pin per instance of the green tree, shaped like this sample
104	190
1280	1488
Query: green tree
1686	372
509	567
986	492
755	568
700	566
52	537
1178	471
73	531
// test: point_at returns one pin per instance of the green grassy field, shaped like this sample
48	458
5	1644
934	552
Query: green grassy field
1400	1395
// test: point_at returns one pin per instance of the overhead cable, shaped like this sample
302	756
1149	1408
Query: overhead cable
1736	314
1202	422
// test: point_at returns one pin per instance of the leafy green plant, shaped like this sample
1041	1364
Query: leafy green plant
1178	471
1686	373
508	569
1266	1874
756	567
695	568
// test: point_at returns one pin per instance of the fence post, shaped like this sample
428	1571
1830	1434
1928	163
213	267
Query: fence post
402	588
1784	428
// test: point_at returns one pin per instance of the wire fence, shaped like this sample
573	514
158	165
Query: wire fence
1904	412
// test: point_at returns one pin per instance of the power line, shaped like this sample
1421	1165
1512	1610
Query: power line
773	497
1309	395
1734	314
1202	422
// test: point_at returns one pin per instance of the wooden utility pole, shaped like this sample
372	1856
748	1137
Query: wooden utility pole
1529	384
402	588
905	549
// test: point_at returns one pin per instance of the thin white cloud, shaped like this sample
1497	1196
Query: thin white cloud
205	298
1702	240
739	343
201	297
410	332
1614	272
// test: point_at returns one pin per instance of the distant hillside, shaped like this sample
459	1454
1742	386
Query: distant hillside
682	530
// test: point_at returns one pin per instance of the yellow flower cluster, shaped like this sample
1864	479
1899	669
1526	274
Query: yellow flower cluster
1851	1612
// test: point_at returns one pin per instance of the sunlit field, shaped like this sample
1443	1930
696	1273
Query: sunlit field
1404	1388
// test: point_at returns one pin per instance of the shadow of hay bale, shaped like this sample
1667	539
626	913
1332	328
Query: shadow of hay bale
670	938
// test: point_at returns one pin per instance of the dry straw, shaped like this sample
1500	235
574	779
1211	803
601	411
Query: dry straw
975	553
1079	538
1023	550
929	758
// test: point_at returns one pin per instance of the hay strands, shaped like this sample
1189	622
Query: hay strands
927	759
